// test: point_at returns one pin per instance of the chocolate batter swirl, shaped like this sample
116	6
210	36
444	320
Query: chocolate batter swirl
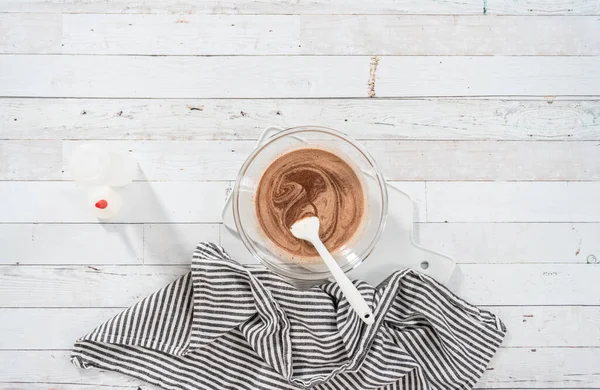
307	182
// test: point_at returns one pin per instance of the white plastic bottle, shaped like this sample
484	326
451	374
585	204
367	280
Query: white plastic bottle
99	168
105	202
98	165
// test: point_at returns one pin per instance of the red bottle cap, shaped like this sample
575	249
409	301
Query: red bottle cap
101	204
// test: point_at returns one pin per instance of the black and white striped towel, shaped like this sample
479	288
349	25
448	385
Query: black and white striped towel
224	326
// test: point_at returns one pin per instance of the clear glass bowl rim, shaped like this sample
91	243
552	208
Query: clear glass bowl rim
313	276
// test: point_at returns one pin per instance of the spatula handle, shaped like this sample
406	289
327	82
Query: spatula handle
357	302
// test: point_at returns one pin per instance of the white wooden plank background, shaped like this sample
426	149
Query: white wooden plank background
542	7
298	34
559	243
513	202
486	112
550	118
295	76
533	326
247	7
521	7
120	285
220	160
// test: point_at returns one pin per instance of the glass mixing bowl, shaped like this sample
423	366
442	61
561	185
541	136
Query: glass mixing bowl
349	255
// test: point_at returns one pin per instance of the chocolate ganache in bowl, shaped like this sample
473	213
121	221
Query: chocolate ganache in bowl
309	171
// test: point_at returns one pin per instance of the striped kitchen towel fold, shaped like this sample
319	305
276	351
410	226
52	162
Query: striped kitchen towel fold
225	326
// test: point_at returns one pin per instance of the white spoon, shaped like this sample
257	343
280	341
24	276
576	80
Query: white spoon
308	229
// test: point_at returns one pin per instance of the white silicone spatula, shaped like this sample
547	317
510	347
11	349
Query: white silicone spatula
308	229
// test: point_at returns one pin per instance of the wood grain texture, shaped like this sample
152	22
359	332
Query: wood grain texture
202	119
83	286
151	202
513	202
417	192
175	243
145	202
542	368
118	286
104	243
487	160
194	202
480	76
108	244
566	243
246	7
55	367
219	77
87	244
527	284
543	7
450	35
437	160
318	35
30	33
550	326
529	326
20	328
538	368
179	160
30	160
295	76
